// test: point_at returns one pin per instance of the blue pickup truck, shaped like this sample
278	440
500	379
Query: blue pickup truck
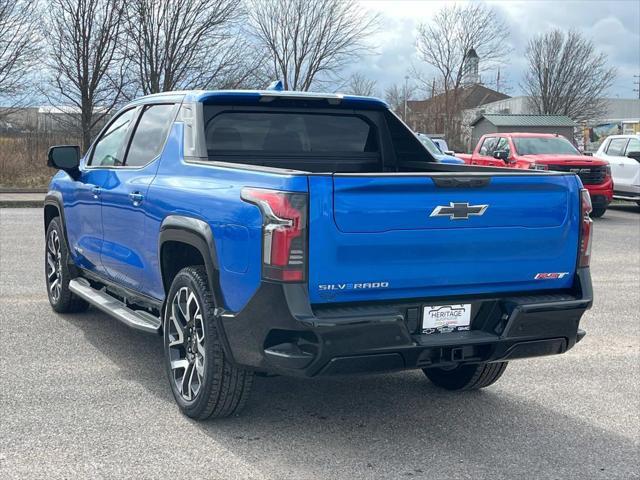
269	232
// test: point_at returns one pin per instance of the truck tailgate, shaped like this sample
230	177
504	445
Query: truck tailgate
381	237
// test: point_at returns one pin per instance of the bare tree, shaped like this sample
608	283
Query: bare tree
399	97
18	47
396	95
358	84
567	75
309	41
85	71
183	44
444	43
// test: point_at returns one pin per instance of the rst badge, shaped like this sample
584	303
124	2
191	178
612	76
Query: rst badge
550	276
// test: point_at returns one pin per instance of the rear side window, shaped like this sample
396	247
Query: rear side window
150	134
616	146
255	132
634	146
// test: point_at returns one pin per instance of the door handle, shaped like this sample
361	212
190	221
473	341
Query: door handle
136	198
96	191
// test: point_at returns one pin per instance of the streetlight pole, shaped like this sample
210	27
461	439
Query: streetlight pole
406	79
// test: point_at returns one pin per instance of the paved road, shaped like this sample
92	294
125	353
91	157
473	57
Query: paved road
84	397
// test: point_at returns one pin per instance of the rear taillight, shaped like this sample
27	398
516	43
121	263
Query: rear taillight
284	232
586	229
607	170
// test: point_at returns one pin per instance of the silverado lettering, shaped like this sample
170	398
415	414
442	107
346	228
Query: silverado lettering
353	286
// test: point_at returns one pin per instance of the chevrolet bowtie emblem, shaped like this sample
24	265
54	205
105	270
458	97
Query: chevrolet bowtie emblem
458	211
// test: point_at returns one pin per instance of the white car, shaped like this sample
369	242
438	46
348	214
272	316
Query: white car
623	154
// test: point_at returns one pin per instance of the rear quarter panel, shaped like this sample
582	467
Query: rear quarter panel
212	193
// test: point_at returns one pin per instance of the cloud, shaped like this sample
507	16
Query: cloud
614	26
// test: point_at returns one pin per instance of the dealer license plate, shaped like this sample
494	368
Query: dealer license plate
446	318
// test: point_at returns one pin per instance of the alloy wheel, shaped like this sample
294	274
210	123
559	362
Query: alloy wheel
186	337
54	265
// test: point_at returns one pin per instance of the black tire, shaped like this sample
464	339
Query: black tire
598	212
466	377
57	272
222	388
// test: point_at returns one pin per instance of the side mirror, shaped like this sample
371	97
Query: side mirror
65	157
501	155
635	155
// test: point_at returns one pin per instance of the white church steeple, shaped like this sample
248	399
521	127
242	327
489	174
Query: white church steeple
470	74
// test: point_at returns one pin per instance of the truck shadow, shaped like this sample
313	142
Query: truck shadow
389	426
625	207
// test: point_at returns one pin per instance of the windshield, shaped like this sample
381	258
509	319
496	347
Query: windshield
431	147
544	145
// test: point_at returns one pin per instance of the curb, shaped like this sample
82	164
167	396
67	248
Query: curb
22	190
21	204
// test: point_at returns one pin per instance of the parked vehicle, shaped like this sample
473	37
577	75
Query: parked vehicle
543	151
435	151
442	145
310	234
623	154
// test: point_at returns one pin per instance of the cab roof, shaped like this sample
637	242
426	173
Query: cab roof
524	134
222	97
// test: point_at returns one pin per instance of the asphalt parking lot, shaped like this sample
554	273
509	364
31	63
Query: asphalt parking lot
82	396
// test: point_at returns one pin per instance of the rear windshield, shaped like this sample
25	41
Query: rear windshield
544	145
290	132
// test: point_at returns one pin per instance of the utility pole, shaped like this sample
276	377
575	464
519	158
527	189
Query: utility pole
406	80
637	84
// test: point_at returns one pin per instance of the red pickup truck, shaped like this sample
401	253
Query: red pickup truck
542	151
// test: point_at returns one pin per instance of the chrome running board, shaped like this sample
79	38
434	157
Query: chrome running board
138	319
629	198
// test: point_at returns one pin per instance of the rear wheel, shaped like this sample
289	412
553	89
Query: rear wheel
57	273
466	377
203	380
598	212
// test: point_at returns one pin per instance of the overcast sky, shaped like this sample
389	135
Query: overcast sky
614	27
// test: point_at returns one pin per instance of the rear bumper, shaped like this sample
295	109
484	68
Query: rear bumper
279	333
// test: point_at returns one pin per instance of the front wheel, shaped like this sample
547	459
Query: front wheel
466	377
203	380
598	212
57	272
